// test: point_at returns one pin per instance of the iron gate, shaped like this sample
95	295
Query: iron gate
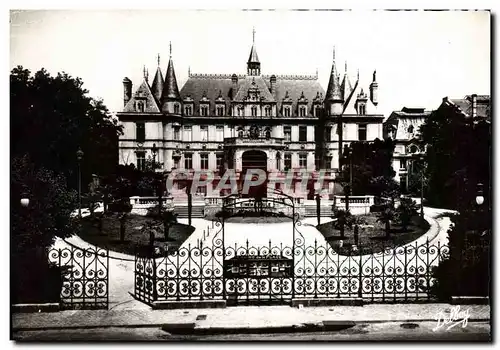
277	273
85	277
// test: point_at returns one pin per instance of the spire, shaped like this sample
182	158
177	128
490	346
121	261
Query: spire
158	83
158	57
346	86
334	92
170	90
253	63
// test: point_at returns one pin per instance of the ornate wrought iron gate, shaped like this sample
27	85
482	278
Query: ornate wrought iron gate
277	273
85	277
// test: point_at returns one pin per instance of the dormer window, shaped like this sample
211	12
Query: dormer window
176	109
188	110
220	111
204	110
302	111
140	106
254	111
267	111
317	111
286	111
362	109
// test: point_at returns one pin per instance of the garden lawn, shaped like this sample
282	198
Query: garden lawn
135	235
372	236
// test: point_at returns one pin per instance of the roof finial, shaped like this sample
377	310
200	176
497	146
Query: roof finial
346	66
333	52
358	73
189	71
374	75
158	58
253	35
170	44
316	72
144	72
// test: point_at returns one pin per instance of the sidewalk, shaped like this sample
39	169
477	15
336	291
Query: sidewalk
243	317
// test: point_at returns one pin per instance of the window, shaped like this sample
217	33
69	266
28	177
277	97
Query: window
241	112
201	190
254	111
219	160
302	133
268	133
302	111
413	149
362	109
140	106
187	133
303	160
328	133
410	129
176	163
287	130
140	132
219	133
176	109
288	161
204	161
362	132
177	133
286	111
317	111
220	111
188	161
188	110
402	164
204	132
141	160
268	111
204	111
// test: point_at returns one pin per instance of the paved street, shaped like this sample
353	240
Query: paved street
385	331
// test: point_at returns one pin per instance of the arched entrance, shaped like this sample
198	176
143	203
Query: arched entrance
254	160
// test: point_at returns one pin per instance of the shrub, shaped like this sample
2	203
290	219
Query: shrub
120	206
405	211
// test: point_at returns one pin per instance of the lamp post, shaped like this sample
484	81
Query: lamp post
79	157
422	188
154	150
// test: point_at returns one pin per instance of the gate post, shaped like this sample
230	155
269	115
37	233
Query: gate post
155	293
293	248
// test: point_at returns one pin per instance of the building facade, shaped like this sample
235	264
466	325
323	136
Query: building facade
277	123
403	128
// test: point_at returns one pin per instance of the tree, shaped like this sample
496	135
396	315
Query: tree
406	210
386	216
169	219
49	212
34	229
458	156
52	116
369	160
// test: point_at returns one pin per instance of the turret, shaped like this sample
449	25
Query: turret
158	83
374	89
170	97
334	100
127	90
253	64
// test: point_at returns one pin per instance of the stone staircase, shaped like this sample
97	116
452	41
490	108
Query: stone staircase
182	211
310	210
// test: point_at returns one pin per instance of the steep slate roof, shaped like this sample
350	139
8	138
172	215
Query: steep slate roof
350	109
253	58
346	86
295	86
253	81
465	104
170	90
157	87
210	85
143	93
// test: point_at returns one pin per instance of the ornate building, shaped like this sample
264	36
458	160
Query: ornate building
239	121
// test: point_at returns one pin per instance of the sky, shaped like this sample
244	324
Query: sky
420	56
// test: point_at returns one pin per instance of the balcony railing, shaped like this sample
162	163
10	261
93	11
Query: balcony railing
263	141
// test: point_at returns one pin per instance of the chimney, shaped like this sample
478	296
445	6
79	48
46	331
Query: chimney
474	105
127	90
234	80
273	85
